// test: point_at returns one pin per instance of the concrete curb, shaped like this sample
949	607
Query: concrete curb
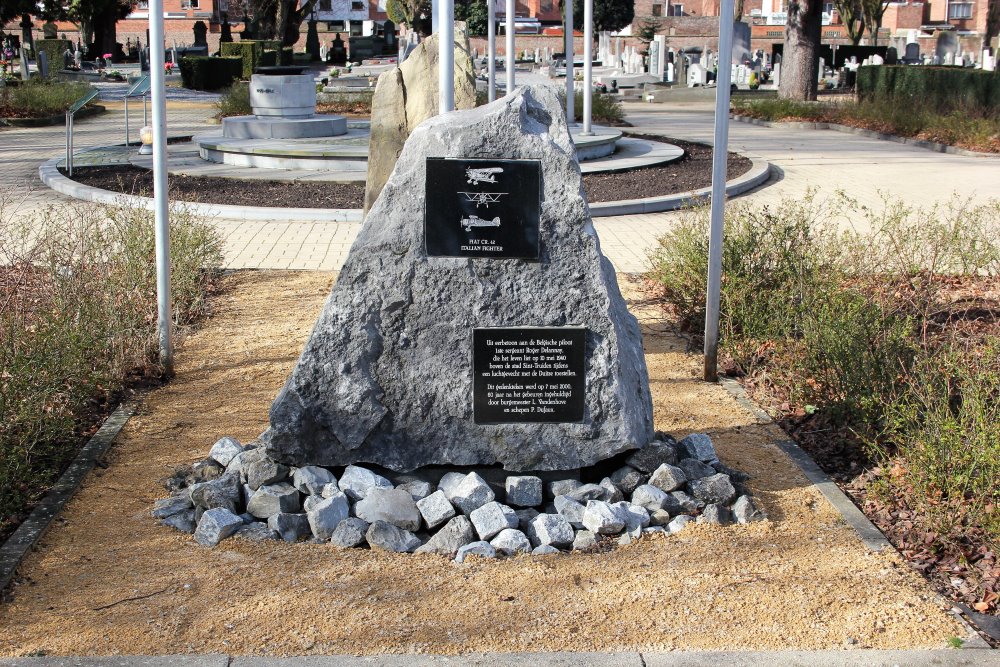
866	530
872	134
825	658
50	175
760	172
32	529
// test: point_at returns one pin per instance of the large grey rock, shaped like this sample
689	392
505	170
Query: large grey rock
215	525
407	96
356	481
584	539
713	489
182	521
660	517
525	517
571	510
544	550
561	487
383	535
454	535
386	376
271	499
745	510
510	541
628	479
699	446
482	549
311	502
650	497
612	494
471	493
349	533
225	450
258	531
552	529
326	515
222	492
436	509
668	478
418	489
684	502
695	469
393	506
491	518
653	455
636	518
586	492
716	514
600	517
677	524
311	479
265	471
290	527
175	504
523	491
449	481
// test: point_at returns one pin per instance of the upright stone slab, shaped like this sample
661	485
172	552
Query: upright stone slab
387	375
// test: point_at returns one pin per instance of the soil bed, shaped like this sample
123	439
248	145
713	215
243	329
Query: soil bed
691	172
802	580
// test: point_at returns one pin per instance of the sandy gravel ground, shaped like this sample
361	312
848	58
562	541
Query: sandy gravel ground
801	581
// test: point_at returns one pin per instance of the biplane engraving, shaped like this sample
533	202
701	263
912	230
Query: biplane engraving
476	221
482	175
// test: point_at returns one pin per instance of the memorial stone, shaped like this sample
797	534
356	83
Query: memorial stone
392	372
741	42
947	47
338	52
200	34
43	64
25	74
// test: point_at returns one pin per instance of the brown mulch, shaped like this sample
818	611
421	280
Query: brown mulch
691	172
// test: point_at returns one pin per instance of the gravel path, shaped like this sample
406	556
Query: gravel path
802	580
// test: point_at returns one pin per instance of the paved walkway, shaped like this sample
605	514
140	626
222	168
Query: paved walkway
823	160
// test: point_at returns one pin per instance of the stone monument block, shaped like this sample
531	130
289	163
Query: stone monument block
458	358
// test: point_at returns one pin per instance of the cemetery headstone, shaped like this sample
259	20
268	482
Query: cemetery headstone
43	64
696	76
891	56
200	33
532	363
50	30
25	74
741	42
389	35
946	47
338	53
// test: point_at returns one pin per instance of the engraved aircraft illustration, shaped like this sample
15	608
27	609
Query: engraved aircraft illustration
476	221
484	175
483	198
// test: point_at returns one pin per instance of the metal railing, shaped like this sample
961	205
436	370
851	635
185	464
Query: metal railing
139	89
70	112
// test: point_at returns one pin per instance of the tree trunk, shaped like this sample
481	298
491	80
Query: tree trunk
105	31
992	23
799	63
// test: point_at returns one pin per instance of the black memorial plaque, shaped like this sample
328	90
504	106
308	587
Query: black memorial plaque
528	374
482	208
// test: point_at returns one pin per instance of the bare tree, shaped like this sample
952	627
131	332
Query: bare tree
852	17
992	23
873	11
801	54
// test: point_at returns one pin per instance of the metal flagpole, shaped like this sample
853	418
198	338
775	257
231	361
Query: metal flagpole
588	63
720	154
160	211
570	111
446	57
510	46
491	49
435	16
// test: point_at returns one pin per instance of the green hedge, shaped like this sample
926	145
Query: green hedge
54	49
268	59
248	51
943	89
210	73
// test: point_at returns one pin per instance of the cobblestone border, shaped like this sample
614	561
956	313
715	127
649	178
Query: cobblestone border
872	134
31	530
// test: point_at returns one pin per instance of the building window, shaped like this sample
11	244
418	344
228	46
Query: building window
828	8
960	10
142	6
357	5
189	4
675	10
325	5
657	9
